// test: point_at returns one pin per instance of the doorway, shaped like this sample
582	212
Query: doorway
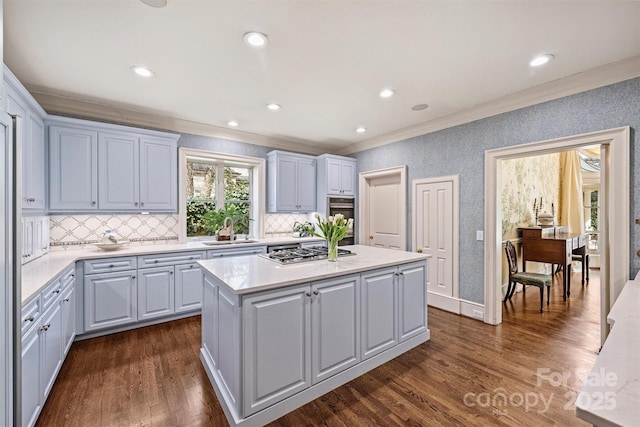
614	233
383	208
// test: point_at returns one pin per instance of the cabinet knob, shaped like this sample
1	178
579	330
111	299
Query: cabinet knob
401	274
111	265
308	294
65	300
171	272
29	319
141	203
419	250
133	277
57	291
93	203
316	292
135	203
72	275
45	327
370	237
155	260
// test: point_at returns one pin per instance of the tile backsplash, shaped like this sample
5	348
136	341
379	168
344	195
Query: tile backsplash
78	229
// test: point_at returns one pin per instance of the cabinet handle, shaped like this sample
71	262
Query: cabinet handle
72	275
133	277
155	261
135	203
65	300
316	292
93	203
191	266
45	327
31	199
141	203
308	294
29	319
57	291
171	272
111	265
401	274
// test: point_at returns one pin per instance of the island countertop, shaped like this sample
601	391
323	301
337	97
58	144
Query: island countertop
248	274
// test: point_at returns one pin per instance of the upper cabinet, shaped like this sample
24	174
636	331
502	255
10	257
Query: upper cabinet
19	102
291	180
336	177
96	166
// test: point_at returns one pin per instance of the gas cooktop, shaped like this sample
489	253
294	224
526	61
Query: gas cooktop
292	256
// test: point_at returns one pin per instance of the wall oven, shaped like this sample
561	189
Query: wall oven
346	207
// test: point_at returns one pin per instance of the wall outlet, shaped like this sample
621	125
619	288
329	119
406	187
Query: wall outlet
477	313
479	235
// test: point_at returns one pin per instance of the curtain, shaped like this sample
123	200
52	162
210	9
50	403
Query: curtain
571	203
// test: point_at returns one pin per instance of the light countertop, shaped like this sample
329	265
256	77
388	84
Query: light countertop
243	275
611	393
40	272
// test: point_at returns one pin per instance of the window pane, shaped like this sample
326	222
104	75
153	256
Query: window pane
236	183
239	212
201	178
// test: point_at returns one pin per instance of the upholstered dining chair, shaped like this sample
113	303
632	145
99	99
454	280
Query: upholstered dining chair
525	278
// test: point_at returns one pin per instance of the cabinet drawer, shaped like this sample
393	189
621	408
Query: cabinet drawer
30	314
236	252
160	260
51	293
110	264
67	278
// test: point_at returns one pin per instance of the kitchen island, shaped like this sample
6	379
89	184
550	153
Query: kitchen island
275	337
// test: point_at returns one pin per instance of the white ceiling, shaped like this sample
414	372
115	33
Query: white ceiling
325	62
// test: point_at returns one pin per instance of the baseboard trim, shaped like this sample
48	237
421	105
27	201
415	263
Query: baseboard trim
472	309
456	305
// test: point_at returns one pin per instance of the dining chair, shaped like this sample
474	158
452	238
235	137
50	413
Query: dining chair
525	278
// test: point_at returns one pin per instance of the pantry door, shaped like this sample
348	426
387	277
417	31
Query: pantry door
383	208
435	231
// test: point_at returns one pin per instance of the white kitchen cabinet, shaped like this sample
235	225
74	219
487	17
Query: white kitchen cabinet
188	285
412	300
73	169
155	292
335	326
68	312
210	320
51	347
31	401
18	101
133	169
110	299
291	182
276	345
336	176
118	177
379	311
35	237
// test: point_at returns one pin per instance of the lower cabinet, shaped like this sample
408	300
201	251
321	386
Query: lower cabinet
155	292
31	405
379	308
51	348
188	285
110	299
68	312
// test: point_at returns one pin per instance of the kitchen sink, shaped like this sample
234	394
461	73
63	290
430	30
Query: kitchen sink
227	242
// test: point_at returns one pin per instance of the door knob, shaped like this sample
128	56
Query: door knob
419	250
370	237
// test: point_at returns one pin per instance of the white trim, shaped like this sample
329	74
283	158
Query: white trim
468	307
570	85
443	302
455	180
617	188
258	179
363	205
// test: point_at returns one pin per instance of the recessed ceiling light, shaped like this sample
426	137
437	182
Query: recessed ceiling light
155	3
233	123
420	107
541	60
255	39
361	129
273	107
387	93
142	71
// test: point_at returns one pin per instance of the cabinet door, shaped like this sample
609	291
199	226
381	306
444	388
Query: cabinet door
348	178
155	292
73	169
335	311
68	307
379	320
33	164
334	176
51	348
31	402
306	185
276	346
110	299
118	167
412	299
16	106
287	184
158	175
28	233
189	282
210	319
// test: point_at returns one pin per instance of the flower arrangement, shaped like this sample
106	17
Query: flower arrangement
334	229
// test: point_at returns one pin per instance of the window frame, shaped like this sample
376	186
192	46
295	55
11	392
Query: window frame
257	177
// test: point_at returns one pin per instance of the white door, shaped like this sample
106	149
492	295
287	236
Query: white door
387	212
434	230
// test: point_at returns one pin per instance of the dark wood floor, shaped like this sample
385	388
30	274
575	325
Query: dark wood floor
468	374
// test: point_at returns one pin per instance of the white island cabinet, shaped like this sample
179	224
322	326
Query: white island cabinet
276	337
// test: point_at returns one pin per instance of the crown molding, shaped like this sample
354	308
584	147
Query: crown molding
590	79
66	106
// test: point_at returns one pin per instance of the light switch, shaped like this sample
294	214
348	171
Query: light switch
479	235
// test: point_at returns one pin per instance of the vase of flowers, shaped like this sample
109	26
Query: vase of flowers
334	229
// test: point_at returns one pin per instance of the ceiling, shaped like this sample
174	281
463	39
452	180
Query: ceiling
325	62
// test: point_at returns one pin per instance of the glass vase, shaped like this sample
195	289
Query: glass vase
332	253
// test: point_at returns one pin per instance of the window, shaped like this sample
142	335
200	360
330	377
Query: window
216	186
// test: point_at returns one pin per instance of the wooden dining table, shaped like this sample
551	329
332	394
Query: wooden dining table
552	245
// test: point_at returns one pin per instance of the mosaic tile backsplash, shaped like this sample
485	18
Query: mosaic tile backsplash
75	229
80	229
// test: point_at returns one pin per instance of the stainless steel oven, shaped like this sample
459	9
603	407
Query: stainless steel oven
345	206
